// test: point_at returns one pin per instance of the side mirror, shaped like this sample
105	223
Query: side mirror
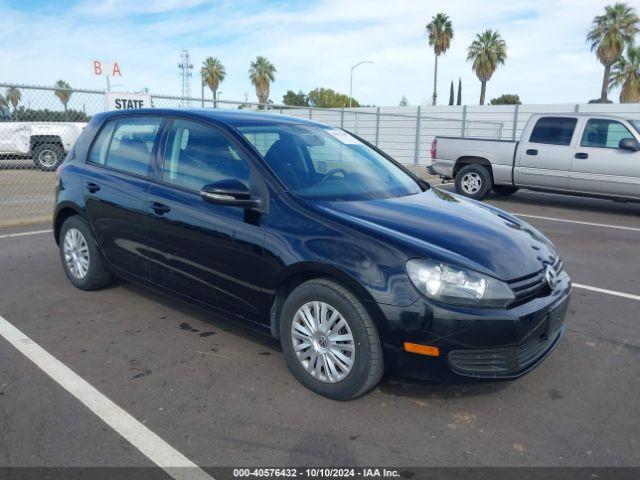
229	192
630	144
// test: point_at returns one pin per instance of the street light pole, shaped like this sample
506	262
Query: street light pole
351	79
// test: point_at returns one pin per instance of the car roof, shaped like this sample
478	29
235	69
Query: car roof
605	116
234	118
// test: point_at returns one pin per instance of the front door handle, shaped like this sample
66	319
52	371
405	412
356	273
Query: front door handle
532	151
582	155
92	187
159	208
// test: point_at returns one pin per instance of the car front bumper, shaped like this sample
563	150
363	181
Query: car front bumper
479	343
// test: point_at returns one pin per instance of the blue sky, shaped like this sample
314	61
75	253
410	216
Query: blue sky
312	44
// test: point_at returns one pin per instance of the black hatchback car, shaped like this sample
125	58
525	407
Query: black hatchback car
314	236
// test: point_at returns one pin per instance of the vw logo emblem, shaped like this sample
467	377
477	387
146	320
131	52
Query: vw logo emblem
551	277
323	341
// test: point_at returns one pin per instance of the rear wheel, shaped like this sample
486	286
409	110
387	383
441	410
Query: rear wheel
504	190
47	156
473	181
80	257
329	341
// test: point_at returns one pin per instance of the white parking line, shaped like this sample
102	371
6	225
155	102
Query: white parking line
579	222
608	292
24	234
148	443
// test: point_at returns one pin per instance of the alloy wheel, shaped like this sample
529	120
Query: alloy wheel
471	183
76	253
323	342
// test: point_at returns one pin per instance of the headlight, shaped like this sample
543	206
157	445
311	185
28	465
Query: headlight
457	286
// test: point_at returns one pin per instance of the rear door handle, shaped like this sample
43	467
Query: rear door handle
532	151
92	187
159	208
582	155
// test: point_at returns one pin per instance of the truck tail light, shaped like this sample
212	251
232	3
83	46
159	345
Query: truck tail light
434	146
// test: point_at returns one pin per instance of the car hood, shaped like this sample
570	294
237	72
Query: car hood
453	229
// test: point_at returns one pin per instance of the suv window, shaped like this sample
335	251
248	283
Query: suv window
198	155
132	143
604	133
553	130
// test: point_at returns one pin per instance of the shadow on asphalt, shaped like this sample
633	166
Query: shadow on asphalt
441	390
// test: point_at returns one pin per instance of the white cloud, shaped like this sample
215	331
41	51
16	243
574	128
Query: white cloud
311	44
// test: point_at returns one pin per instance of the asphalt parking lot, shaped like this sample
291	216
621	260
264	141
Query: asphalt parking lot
221	395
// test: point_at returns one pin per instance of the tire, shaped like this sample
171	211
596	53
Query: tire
76	239
335	378
47	156
504	190
473	181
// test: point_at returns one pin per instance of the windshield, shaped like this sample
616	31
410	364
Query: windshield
327	164
636	124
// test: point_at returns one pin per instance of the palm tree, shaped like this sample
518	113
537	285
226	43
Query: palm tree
63	92
213	73
13	96
487	51
608	36
261	75
626	74
440	33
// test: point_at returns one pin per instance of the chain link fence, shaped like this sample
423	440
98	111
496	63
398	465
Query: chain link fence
38	125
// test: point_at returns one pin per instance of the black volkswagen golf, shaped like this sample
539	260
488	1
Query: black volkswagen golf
314	236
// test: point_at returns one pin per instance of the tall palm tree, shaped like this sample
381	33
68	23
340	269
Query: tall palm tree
13	96
487	51
213	73
440	33
626	74
609	35
63	92
261	74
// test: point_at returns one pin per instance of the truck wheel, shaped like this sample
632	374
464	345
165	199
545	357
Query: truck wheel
47	156
504	190
473	181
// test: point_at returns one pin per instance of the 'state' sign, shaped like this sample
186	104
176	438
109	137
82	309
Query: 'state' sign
127	101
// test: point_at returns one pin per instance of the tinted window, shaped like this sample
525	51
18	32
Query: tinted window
198	155
132	144
327	163
604	133
99	150
553	130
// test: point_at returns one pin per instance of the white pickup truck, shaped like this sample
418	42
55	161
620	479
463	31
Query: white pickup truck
576	154
45	142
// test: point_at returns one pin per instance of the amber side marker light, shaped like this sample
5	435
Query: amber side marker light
422	349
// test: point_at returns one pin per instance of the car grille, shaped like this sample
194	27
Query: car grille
534	285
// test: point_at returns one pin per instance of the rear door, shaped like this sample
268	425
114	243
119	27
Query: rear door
600	166
115	183
544	158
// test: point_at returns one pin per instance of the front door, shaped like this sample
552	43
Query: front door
115	184
212	253
544	159
600	166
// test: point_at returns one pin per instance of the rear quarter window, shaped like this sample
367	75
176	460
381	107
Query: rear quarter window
99	149
553	130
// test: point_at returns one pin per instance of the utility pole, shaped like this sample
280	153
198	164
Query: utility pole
185	67
351	79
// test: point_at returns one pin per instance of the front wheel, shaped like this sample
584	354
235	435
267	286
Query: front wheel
329	341
47	156
473	181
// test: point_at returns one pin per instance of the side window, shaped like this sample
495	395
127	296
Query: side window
262	141
99	149
553	130
198	155
604	133
132	144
